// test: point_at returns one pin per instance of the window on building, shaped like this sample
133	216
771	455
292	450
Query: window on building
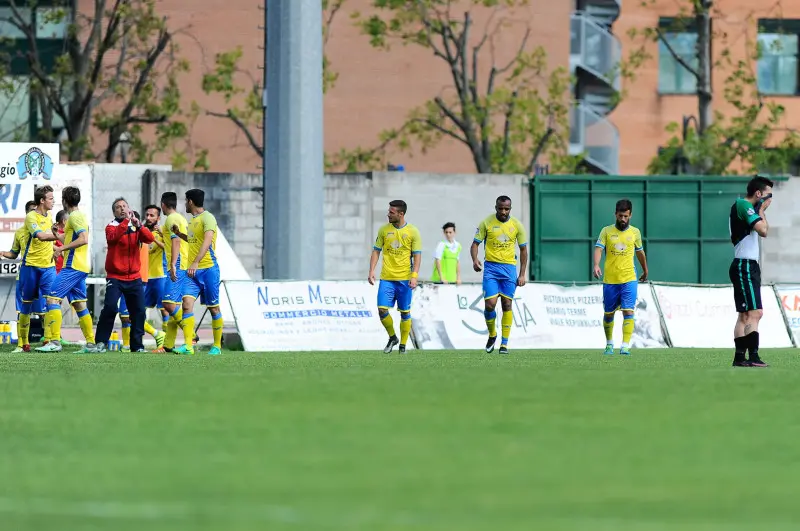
674	78
777	56
52	22
8	30
14	108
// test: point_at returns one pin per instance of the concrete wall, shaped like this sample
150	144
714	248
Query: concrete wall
355	207
780	251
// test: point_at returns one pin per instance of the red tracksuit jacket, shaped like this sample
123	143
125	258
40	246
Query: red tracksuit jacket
122	260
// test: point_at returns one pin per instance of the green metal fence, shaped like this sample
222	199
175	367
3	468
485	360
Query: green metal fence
683	220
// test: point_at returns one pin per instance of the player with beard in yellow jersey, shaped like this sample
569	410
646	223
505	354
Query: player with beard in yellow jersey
621	242
177	251
402	247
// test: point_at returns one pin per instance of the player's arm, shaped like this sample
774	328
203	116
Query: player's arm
599	247
158	244
80	241
208	237
761	226
437	261
458	272
373	258
639	248
416	257
522	242
115	233
10	255
177	232
145	236
480	236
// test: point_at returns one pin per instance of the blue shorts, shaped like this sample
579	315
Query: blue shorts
38	306
204	284
391	291
36	281
173	291
70	284
123	307
154	292
499	279
620	296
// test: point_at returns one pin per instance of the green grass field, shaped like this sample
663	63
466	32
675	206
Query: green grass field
548	440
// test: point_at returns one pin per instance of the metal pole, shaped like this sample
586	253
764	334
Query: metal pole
264	150
294	234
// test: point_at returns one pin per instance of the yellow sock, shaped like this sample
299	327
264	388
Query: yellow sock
85	322
19	334
149	329
126	336
24	329
388	324
172	329
491	322
405	329
53	321
187	325
164	323
506	320
47	329
627	330
608	327
217	324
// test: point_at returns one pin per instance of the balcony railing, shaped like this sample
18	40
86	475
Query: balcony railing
594	136
594	49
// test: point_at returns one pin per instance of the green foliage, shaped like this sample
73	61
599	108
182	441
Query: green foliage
115	72
750	136
241	91
507	118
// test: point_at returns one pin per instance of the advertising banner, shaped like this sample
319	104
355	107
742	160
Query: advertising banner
790	303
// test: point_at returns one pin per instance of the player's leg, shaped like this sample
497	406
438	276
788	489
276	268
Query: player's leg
42	308
611	302
125	321
30	277
209	296
748	313
404	296
628	295
508	288
60	288
386	300
18	301
491	292
191	291
105	323
77	298
133	292
756	312
153	292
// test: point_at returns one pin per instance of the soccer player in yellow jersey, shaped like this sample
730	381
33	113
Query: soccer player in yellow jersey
401	245
202	276
71	281
38	271
21	237
156	268
500	234
620	241
177	251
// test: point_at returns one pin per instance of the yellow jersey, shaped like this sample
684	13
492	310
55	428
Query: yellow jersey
20	241
201	224
397	246
77	259
157	265
620	247
168	236
38	253
499	239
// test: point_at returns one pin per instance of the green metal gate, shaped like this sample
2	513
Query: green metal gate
683	220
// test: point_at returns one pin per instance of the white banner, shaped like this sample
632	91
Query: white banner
790	301
703	317
546	316
21	167
315	315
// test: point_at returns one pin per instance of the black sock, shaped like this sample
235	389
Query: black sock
752	345
741	348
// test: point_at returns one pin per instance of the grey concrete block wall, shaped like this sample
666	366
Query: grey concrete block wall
355	208
780	250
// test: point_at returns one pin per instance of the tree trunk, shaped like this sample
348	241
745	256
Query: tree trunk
704	61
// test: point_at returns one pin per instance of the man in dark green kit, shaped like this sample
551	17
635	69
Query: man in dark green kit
747	222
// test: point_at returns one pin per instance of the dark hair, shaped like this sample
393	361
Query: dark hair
136	214
152	207
624	205
196	196
169	200
40	193
757	184
71	195
503	199
399	204
117	200
61	215
449	225
30	205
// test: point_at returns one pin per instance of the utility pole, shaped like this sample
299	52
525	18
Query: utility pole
294	233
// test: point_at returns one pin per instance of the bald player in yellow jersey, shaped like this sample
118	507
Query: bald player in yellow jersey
500	234
401	245
620	242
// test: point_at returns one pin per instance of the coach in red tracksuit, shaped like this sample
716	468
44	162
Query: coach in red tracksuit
124	235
